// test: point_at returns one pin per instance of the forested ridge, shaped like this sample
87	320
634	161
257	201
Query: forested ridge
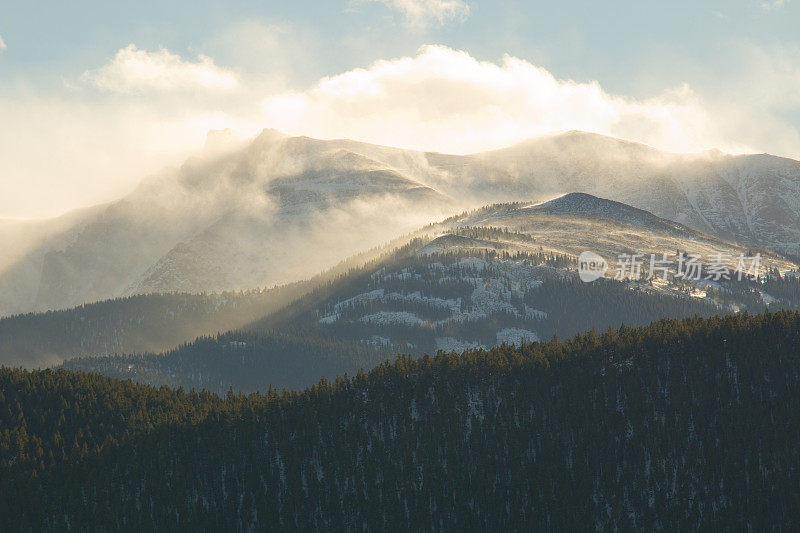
243	360
676	425
156	322
148	322
416	304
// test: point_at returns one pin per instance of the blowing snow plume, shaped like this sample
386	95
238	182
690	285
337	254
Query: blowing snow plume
278	210
283	208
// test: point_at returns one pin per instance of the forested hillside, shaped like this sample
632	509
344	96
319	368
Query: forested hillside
151	322
678	425
501	273
242	360
419	304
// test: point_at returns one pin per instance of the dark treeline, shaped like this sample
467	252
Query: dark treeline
151	322
242	360
677	425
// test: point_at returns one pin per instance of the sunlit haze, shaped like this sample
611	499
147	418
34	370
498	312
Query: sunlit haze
86	114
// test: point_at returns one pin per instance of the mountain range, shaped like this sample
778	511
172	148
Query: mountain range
505	273
282	209
501	273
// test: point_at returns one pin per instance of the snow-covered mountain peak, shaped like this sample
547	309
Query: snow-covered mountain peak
579	204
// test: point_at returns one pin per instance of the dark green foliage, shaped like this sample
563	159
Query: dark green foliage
680	425
573	306
151	322
244	361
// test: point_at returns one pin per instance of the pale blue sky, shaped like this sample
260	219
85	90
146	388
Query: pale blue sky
626	45
715	73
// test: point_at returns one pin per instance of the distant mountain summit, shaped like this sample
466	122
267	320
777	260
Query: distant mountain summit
752	199
579	204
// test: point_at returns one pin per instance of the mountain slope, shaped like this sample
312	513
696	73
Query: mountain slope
150	322
504	273
528	247
242	361
587	206
279	210
752	199
577	222
135	324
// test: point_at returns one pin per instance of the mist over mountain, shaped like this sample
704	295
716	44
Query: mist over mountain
751	199
279	209
505	273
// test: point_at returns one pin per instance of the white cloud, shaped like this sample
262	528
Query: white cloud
134	70
773	4
63	153
2	43
87	146
84	146
94	141
446	100
424	12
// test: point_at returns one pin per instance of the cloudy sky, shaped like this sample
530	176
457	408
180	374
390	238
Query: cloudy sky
96	95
